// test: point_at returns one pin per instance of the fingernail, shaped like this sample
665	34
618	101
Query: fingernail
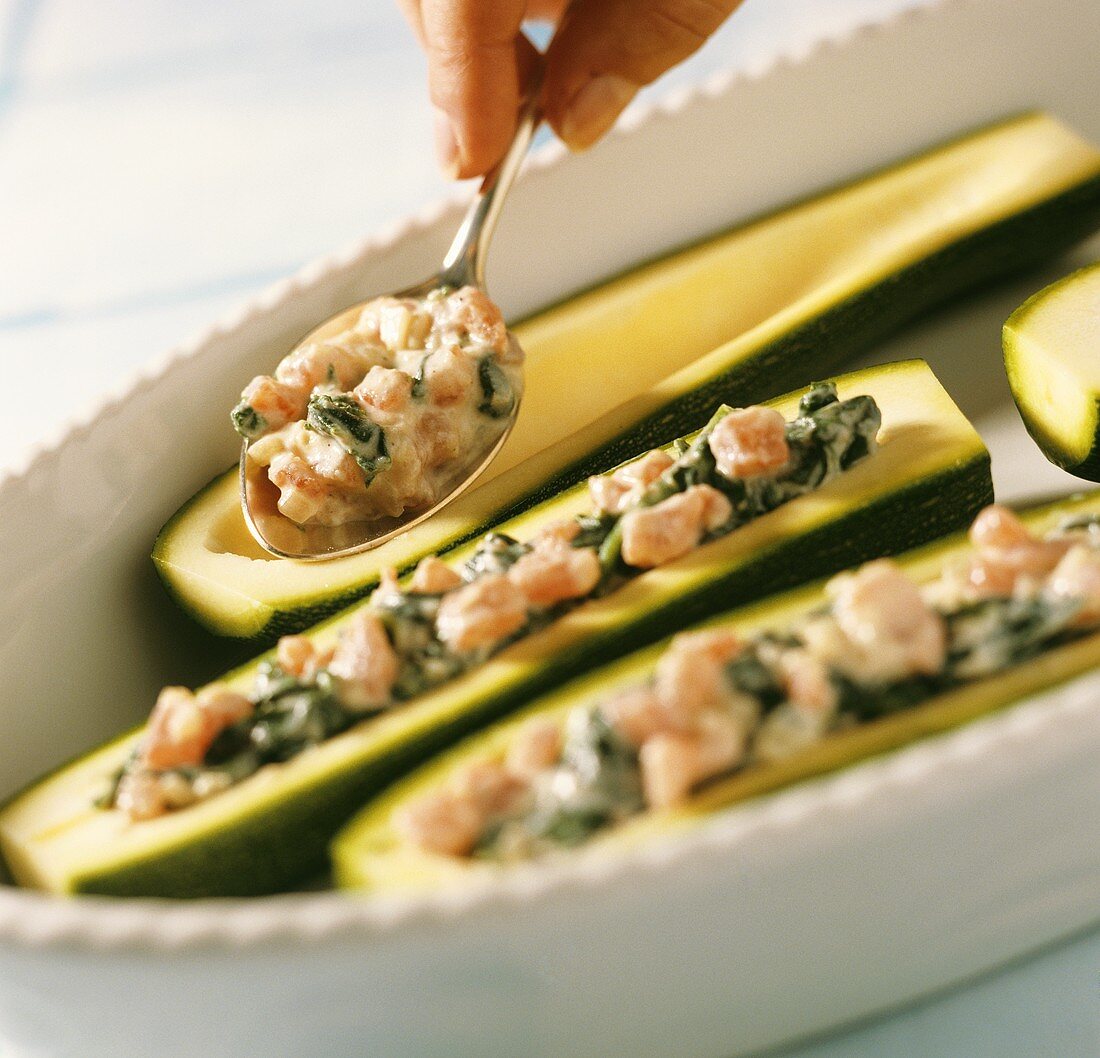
594	110
446	144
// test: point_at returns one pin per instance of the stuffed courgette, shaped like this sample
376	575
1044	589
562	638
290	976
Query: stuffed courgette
767	696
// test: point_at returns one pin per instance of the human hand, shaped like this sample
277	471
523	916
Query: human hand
602	53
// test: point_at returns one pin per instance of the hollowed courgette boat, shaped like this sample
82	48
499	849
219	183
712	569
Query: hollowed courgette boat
1052	355
270	829
637	361
998	644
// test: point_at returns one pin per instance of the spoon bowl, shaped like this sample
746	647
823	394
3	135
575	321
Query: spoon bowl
464	266
284	538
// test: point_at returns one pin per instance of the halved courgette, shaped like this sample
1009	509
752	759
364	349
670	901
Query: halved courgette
369	854
929	476
1052	355
622	367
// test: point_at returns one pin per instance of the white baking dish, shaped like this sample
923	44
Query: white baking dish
822	904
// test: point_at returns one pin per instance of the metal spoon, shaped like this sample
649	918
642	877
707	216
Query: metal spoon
464	265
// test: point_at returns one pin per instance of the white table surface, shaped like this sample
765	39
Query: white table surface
159	164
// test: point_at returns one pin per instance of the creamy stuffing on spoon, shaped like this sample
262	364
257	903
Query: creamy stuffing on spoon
410	638
717	703
382	418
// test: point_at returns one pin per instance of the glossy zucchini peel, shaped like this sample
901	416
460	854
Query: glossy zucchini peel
271	831
369	854
772	304
1052	357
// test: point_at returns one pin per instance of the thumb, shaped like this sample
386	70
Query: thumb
476	56
605	50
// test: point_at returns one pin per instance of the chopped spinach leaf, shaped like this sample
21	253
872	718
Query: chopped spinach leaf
992	634
594	529
569	825
597	783
817	397
871	702
248	422
750	674
498	397
419	390
496	553
347	422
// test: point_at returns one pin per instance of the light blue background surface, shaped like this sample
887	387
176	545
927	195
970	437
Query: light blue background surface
163	160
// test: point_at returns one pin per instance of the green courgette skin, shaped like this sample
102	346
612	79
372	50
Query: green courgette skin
1089	467
286	844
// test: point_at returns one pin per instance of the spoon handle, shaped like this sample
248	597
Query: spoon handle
465	260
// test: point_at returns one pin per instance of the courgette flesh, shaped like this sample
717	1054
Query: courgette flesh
369	854
1052	356
271	831
791	295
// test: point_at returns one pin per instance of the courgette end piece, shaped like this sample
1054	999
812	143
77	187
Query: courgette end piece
1052	357
369	856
